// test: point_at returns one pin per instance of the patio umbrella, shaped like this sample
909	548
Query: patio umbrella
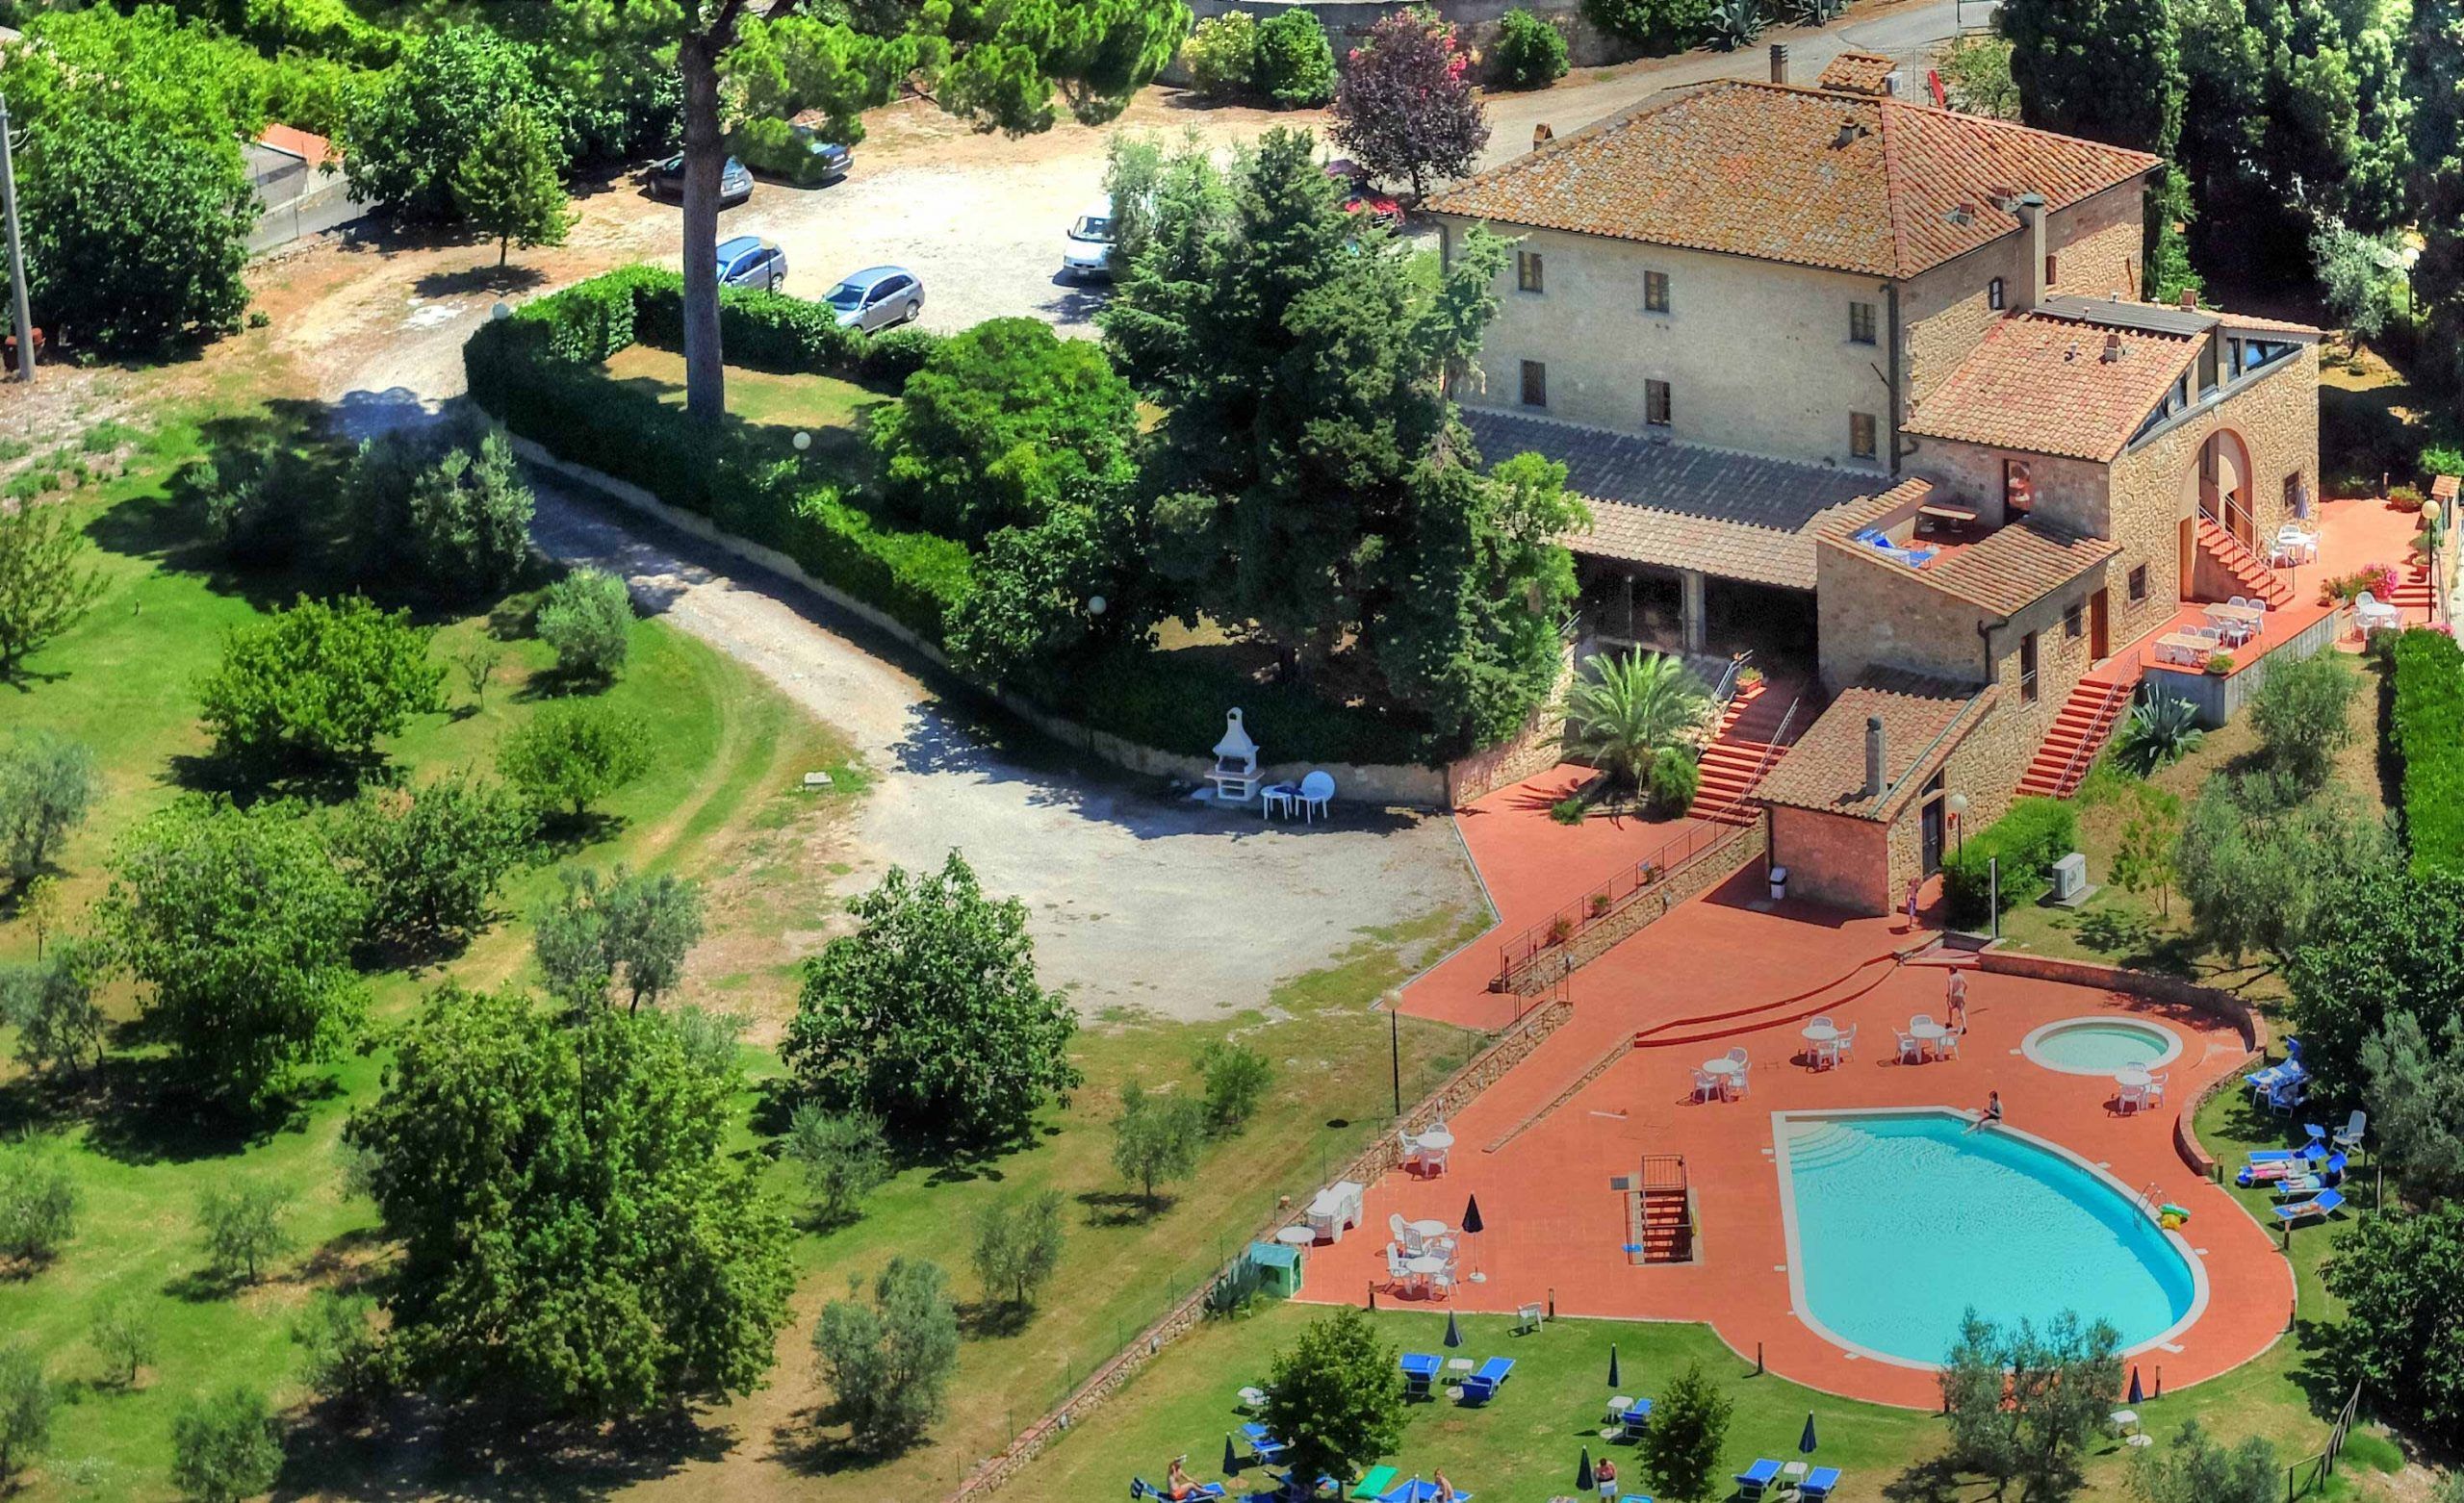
2137	1397
1472	1217
1231	1461
1805	1441
1613	1379
1453	1332
1582	1473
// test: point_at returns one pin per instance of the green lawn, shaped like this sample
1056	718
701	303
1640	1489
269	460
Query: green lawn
722	803
1525	1445
834	411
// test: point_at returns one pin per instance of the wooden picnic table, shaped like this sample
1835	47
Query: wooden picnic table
2184	642
2249	615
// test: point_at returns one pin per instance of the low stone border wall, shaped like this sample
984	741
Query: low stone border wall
1373	782
1539	746
2222	1005
2186	1131
1373	1163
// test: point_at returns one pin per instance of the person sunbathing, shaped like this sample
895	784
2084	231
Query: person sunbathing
1177	1483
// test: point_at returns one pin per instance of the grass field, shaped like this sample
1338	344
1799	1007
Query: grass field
834	411
1525	1445
721	804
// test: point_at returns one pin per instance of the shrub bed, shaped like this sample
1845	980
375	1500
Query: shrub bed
2028	838
536	373
2427	726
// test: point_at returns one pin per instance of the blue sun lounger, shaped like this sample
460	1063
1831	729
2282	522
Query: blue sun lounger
1261	1444
2321	1205
1818	1483
1420	1374
1636	1420
1141	1488
1757	1479
1420	1491
1482	1386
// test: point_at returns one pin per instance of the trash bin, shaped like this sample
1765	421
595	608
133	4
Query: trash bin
1779	884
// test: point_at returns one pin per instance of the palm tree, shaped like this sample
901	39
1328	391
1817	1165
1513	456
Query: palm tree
1628	708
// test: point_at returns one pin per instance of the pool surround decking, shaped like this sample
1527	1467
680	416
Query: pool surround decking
1730	968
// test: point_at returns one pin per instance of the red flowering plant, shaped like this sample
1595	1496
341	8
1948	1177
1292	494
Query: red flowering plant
1404	108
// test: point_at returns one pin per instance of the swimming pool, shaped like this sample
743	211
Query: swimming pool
1898	1221
2100	1046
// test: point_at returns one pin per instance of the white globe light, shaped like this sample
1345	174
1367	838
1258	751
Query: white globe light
1957	803
1095	605
500	311
803	440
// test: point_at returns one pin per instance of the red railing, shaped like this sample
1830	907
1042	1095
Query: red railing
1771	750
2089	741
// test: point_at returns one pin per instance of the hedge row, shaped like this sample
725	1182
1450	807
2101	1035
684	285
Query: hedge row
2029	837
536	372
2428	729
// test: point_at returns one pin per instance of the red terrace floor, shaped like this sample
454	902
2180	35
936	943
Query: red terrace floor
1531	866
1556	1229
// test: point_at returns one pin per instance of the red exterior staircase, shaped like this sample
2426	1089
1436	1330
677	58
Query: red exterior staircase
1659	1225
2412	591
2250	573
2087	721
1742	751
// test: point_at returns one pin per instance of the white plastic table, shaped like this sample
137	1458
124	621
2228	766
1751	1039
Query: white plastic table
1929	1033
1822	1035
1435	1137
1296	1236
1722	1066
2133	1074
1424	1230
1425	1264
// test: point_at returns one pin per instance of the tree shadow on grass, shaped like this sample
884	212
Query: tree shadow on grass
1933	1480
148	1116
1122	1208
993	1318
506	279
414	1447
812	1443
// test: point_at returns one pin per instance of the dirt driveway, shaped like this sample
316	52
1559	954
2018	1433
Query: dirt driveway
1137	900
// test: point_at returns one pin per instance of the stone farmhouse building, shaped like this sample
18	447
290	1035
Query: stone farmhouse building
1866	387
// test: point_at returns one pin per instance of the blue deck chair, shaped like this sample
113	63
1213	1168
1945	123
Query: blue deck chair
1482	1386
1420	1374
1422	1490
1818	1483
1757	1479
2321	1177
1263	1445
1636	1420
2320	1205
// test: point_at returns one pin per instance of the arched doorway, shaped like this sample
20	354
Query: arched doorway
2223	477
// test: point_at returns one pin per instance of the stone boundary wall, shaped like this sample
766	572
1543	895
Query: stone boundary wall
2186	1132
1539	746
1511	1046
1382	783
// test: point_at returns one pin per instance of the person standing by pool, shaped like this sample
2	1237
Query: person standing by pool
1993	1113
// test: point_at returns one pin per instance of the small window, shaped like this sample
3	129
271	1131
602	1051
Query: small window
1655	291
2018	487
1527	271
1861	435
2028	668
1535	384
1994	294
2295	497
2139	583
1860	323
2071	618
1655	403
2052	269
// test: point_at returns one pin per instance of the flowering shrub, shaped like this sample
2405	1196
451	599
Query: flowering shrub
2380	580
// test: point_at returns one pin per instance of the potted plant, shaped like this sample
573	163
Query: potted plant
2220	664
1599	903
1561	930
1749	677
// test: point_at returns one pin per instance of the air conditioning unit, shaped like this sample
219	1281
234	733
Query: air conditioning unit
2071	879
1890	83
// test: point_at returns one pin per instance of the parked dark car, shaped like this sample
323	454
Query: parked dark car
735	184
798	153
750	261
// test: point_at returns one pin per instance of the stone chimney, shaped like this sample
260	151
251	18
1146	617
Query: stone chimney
1873	757
2113	347
2030	211
2189	299
1779	63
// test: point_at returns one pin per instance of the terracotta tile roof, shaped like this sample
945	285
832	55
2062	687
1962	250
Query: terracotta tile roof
2043	386
1858	73
2016	565
1848	521
1816	177
1681	505
2240	320
1923	720
307	145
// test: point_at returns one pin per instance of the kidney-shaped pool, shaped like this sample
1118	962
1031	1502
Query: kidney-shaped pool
1899	1221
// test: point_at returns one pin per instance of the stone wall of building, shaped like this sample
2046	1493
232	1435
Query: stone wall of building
1756	353
1874	614
2155	483
2095	245
1833	859
2070	494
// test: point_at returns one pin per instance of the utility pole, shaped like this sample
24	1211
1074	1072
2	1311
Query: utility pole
16	252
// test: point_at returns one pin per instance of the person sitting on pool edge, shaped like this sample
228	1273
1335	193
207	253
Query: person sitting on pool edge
1991	1115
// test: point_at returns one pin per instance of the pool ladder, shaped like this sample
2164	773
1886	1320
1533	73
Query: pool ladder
2148	1195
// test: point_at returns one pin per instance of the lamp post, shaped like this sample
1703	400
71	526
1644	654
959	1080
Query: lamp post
1957	806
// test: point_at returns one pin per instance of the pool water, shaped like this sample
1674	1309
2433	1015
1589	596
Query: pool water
1902	1220
2100	1047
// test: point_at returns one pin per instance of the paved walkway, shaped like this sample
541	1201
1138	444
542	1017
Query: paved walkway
1556	1229
1136	899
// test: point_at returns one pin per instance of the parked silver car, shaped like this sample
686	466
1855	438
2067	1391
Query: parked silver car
750	261
1088	250
875	298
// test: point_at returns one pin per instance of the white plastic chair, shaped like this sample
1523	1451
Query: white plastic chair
1820	1020
2132	1098
2371	616
1401	1229
1706	1086
1433	1161
2348	1138
1739	1083
1737	1054
1318	794
1845	1044
1947	1046
1912	1049
2155	1091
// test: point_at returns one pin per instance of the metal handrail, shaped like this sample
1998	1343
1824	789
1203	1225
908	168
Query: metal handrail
2225	526
1602	900
1771	750
1726	689
2062	784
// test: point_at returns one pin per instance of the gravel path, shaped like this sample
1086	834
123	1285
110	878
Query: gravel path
1137	901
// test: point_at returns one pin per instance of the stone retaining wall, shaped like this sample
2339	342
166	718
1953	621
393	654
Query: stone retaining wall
1509	1049
2172	990
1374	783
1539	746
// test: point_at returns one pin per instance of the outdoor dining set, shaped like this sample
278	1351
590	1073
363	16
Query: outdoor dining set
1422	1258
2229	623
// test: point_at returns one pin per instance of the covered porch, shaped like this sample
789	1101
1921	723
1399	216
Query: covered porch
1662	609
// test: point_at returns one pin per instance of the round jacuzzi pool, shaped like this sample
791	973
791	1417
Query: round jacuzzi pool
2101	1046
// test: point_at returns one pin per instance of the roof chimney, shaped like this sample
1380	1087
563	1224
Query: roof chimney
1779	63
1542	134
2113	347
2029	208
1873	757
2189	299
